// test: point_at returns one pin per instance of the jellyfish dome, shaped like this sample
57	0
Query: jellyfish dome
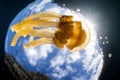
42	54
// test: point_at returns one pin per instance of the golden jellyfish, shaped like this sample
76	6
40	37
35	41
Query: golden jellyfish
66	32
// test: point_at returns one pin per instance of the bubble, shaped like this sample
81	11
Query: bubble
106	37
78	10
100	37
109	55
64	5
107	42
103	43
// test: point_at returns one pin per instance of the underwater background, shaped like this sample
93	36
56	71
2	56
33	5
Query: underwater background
105	15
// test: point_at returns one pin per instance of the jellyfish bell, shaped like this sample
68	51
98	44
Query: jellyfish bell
69	33
83	38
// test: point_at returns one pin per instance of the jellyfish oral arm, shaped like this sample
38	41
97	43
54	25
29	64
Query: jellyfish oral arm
68	33
32	24
32	33
41	15
38	42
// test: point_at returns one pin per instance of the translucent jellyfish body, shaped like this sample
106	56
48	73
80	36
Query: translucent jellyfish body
68	32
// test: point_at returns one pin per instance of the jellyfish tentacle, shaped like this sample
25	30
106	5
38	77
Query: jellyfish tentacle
40	15
38	42
31	38
42	33
39	33
14	40
45	18
48	19
32	24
